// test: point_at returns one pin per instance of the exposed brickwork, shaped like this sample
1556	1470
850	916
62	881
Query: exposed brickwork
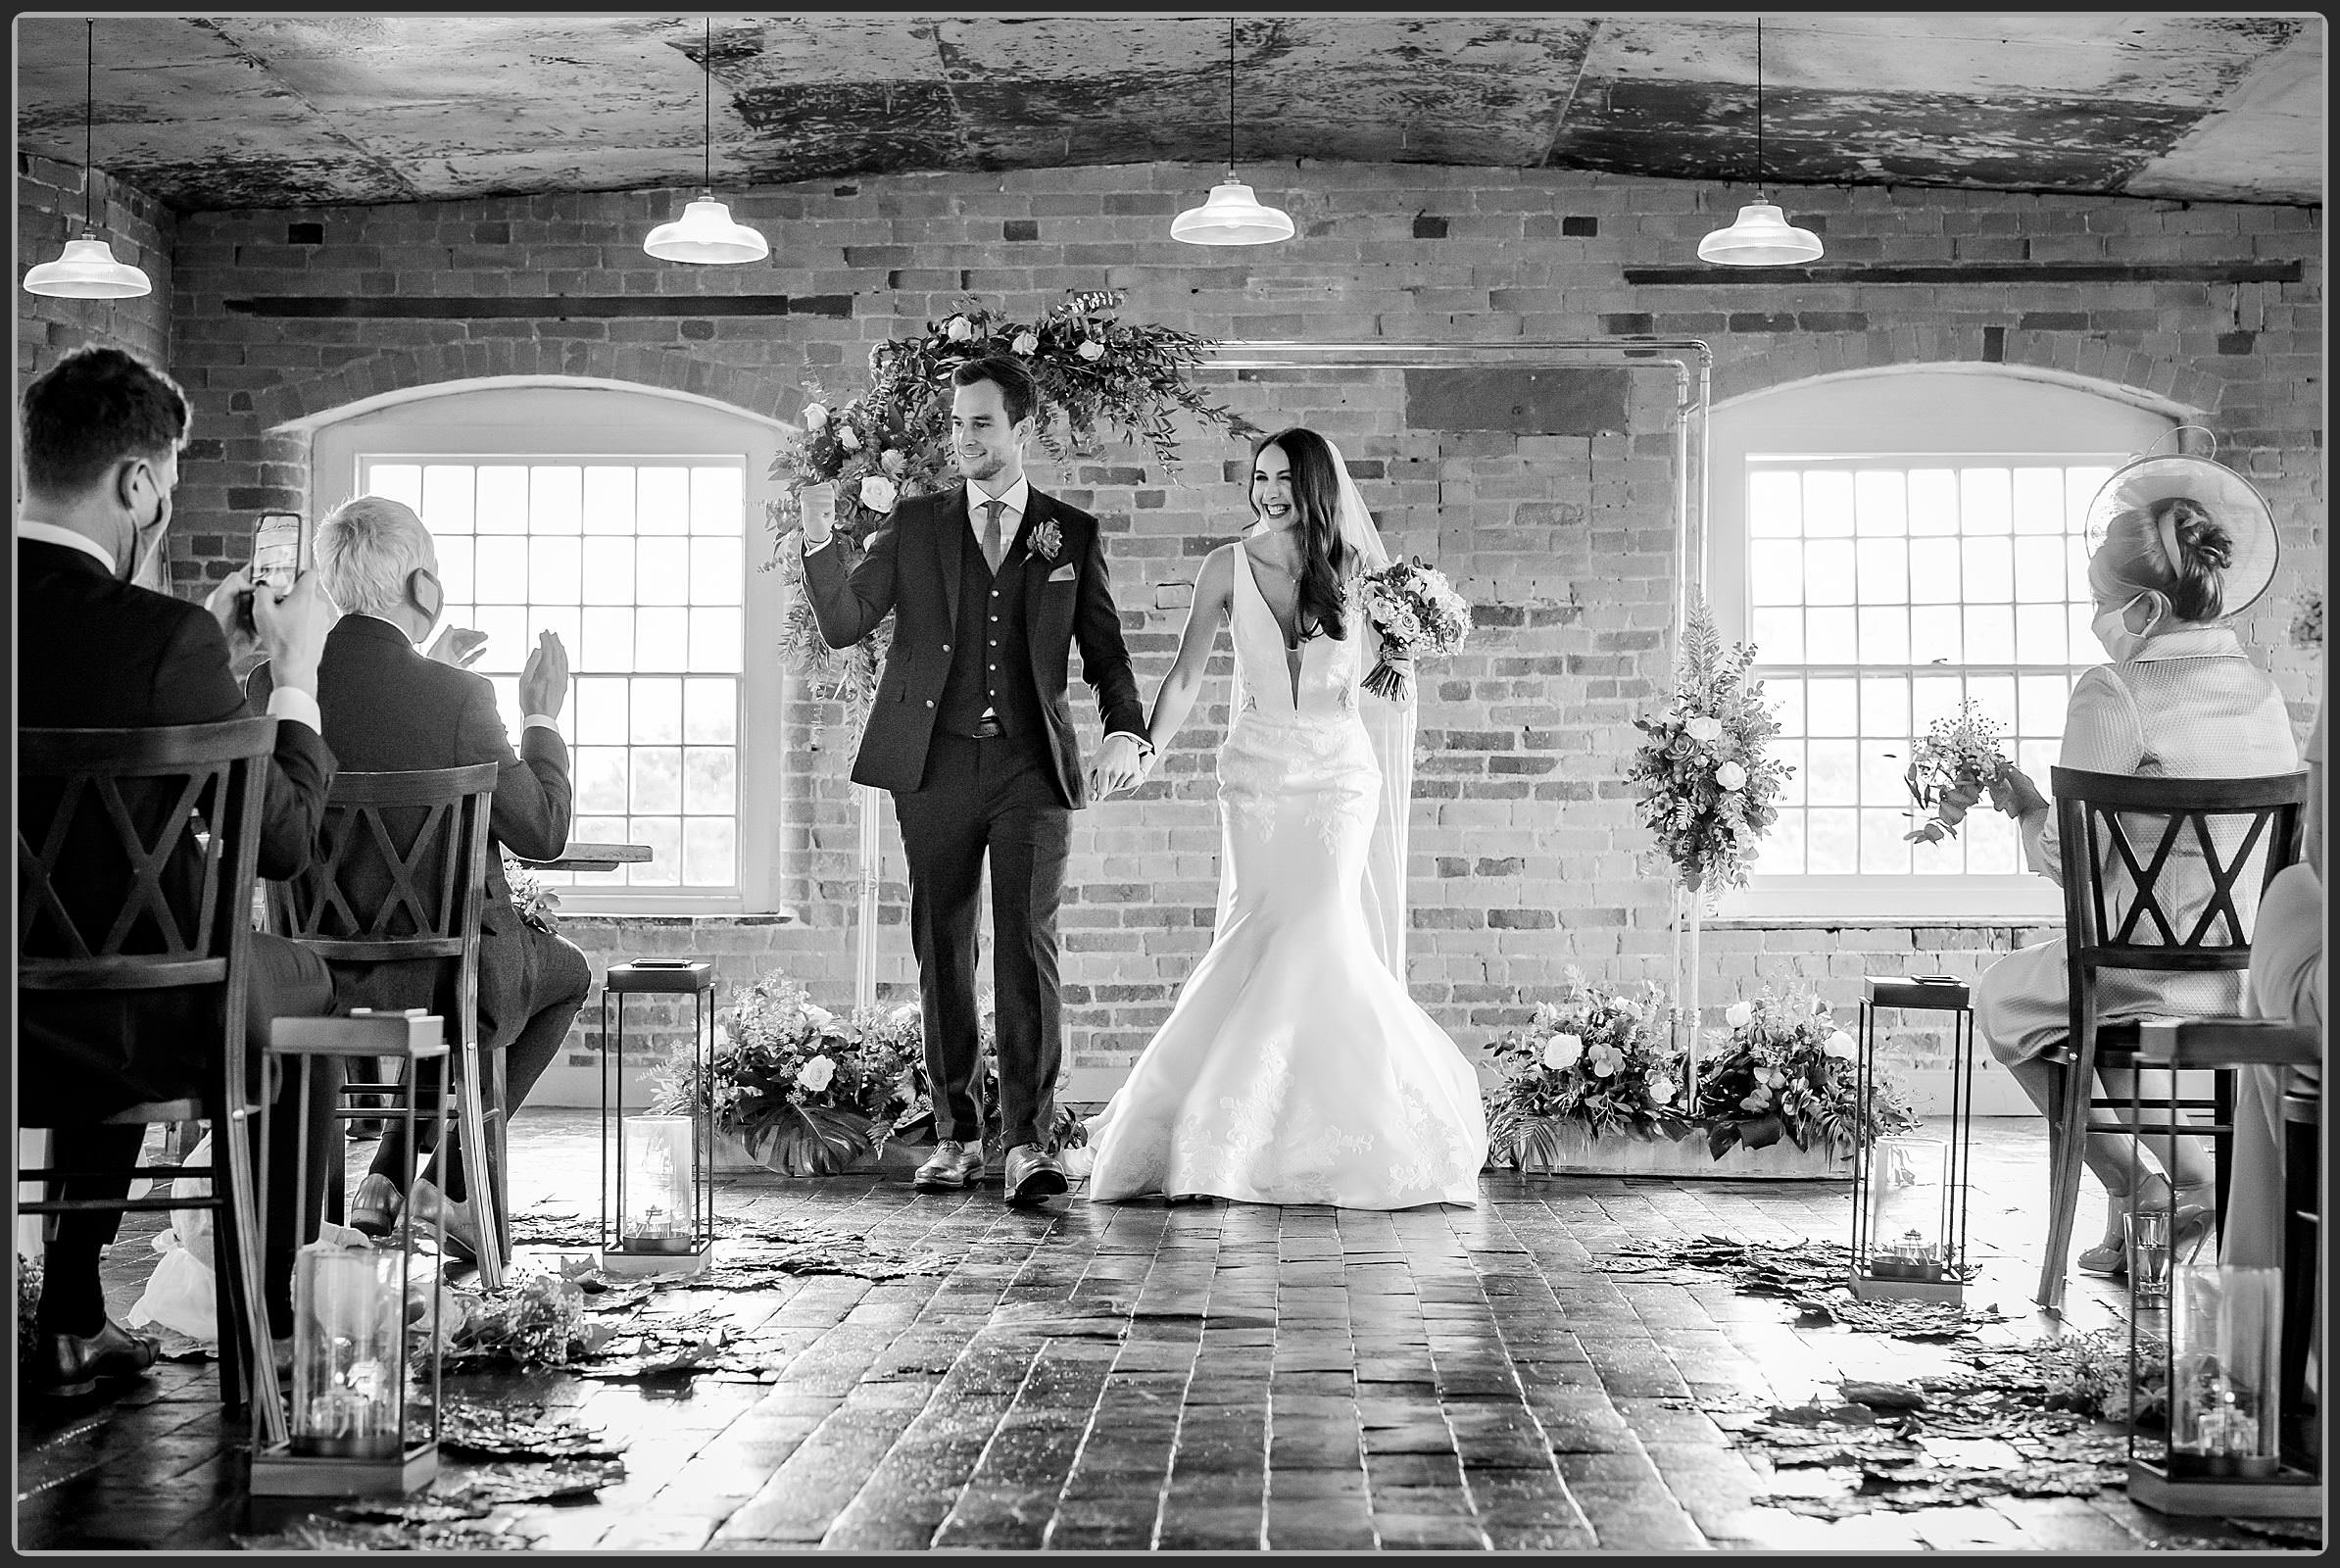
143	231
1525	848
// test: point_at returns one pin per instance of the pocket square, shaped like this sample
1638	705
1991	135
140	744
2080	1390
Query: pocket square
1063	573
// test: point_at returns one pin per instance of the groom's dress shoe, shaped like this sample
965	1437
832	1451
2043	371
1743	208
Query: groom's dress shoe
952	1166
1033	1175
67	1365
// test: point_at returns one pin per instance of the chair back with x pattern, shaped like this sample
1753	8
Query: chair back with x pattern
2161	875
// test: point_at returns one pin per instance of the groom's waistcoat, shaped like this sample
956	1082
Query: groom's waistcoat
991	659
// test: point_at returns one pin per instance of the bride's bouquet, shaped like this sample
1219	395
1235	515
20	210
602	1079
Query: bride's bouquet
1960	750
1418	612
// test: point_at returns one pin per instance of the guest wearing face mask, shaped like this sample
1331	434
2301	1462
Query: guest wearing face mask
101	440
2182	545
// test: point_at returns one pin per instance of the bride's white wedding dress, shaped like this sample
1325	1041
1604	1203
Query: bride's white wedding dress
1294	1068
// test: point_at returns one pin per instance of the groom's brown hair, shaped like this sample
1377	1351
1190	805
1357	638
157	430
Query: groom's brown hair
1016	388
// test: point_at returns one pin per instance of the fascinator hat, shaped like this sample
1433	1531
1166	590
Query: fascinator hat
2144	484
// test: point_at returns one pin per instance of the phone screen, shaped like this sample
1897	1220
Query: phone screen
277	549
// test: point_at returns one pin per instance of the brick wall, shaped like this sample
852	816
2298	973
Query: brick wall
143	231
1524	846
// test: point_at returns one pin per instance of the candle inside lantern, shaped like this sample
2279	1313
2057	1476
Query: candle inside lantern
658	1187
1907	1208
2226	1324
349	1310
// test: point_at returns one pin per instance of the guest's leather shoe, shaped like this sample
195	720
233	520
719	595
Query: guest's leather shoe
1034	1175
67	1365
952	1166
462	1223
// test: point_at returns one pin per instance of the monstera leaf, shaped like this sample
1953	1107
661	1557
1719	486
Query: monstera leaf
810	1140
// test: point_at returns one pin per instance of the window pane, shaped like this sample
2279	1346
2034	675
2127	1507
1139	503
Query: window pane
1827	504
1990	634
1833	848
559	620
1880	499
554	570
710	712
1775	507
1829	637
600	830
2039	634
1883	760
661	572
1933	697
601	711
608	500
657	714
663	835
609	572
1832	707
1885	572
1829	572
1934	501
507	641
1884	852
661	500
1989	570
1986	505
1781	852
717	504
1790	754
2039	500
1933	571
2039	569
1786	693
501	569
710	780
1885	636
1934	634
503	499
716	576
1996	695
1885	706
1834	769
445	499
607	640
396	482
599	778
715	639
1776	577
1779	635
555	503
2042	700
658	778
662	639
710	851
455	570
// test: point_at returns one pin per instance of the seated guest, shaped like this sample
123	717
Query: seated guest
2185	544
390	709
100	439
2287	981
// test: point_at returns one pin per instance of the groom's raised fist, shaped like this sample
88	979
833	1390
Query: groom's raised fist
818	504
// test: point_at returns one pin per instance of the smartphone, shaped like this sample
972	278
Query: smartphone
277	549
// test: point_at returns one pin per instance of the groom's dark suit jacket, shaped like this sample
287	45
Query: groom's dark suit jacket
914	568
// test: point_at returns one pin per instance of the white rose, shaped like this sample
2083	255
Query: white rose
878	493
815	415
816	1074
906	1014
847	439
1560	1052
1024	343
893	462
1740	1015
958	331
1661	1088
1090	350
1705	727
1731	775
1840	1046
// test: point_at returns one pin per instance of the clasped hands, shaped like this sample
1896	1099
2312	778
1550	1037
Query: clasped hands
1121	764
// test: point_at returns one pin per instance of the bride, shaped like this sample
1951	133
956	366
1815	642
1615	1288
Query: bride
1294	1068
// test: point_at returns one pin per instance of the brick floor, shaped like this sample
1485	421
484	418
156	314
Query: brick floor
1193	1377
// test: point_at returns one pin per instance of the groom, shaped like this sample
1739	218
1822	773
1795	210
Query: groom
989	585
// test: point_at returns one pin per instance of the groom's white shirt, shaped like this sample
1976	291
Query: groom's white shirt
1012	502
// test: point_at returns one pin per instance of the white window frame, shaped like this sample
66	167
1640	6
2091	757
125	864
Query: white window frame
1937	411
551	417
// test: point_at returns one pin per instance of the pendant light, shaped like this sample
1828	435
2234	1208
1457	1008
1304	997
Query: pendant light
1232	215
706	234
1761	236
87	270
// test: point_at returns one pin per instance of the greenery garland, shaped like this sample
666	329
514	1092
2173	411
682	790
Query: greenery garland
892	441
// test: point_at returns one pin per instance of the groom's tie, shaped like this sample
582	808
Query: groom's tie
992	546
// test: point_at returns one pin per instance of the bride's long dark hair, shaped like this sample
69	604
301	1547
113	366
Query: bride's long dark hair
1324	554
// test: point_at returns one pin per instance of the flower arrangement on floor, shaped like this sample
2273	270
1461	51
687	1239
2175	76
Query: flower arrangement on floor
1784	1069
824	1091
1419	614
893	439
529	894
1706	780
1960	750
534	1321
1596	1058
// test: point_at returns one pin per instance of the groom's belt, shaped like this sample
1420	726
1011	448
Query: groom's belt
987	729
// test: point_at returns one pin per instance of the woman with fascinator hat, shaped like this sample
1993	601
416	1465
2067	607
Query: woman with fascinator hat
1294	1068
2179	546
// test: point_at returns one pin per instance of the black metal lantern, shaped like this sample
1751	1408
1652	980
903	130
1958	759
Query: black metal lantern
2212	1337
1910	1191
365	1411
658	1168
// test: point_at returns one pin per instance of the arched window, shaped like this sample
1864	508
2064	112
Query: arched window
1894	543
629	522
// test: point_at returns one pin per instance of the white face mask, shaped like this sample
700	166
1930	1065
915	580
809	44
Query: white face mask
2112	629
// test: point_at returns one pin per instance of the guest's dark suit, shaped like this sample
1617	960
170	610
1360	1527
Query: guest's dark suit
390	709
99	654
966	638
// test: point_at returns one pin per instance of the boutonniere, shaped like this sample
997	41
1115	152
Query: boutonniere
1046	539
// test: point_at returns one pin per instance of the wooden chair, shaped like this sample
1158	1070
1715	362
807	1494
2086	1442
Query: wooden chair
2133	828
135	851
2302	1253
400	876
